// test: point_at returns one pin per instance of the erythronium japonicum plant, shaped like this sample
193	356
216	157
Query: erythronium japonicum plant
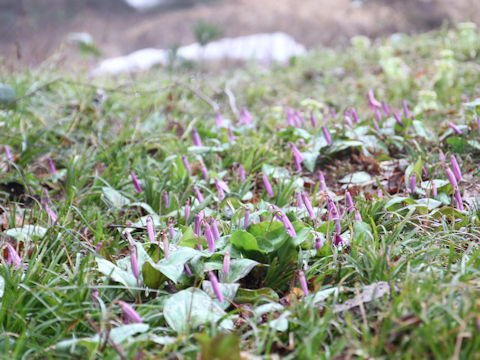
341	204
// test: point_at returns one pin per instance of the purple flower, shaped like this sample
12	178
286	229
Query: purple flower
219	119
358	217
321	178
378	115
441	156
246	218
333	114
215	286
326	135
434	189
222	188
95	296
458	199
478	123
13	257
135	182
286	222
196	138
187	270
245	118
347	120
51	166
398	119
338	225
318	243
187	210
303	282
134	260
413	183
299	117
170	228
455	167
451	177
51	214
198	194
215	232
129	312
268	186
405	109
290	116
165	199
354	115
332	209
299	200
372	101
297	157
186	164
209	236
338	240
98	247
226	262
424	172
197	227
455	128
150	230
314	121
385	108
308	206
241	172
165	246
231	137
349	201
8	154
375	124
204	171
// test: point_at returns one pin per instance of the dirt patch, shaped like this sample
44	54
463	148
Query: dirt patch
32	30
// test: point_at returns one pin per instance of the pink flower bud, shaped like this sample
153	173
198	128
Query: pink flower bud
268	186
134	261
297	157
385	108
241	172
434	189
321	178
187	210
226	262
196	138
455	167
455	128
398	119
135	182
246	218
375	124
150	230
326	135
308	206
286	222
198	194
214	228
458	199
405	109
246	117
314	121
219	119
451	177
165	199
51	165
372	101
129	312
378	115
338	240
354	115
290	117
187	270
441	156
170	228
186	164
424	172
215	286
13	257
303	282
95	296
358	217
209	236
8	154
349	201
204	171
318	243
197	226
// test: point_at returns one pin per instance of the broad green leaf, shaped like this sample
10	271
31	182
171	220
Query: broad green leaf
116	273
190	308
244	241
114	199
26	232
255	296
228	291
357	178
239	268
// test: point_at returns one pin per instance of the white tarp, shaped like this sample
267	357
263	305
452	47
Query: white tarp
261	47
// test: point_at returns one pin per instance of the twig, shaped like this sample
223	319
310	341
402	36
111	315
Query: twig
201	95
232	103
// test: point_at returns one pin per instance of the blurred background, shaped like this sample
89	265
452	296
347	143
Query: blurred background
32	31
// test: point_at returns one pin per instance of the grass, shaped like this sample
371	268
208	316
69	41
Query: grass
422	249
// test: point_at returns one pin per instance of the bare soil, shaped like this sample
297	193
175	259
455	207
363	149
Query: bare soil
32	30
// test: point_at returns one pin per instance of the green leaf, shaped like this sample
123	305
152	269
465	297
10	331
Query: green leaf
357	178
26	232
239	268
228	291
190	308
255	296
117	274
114	199
243	240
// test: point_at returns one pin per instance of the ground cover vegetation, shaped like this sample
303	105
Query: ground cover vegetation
324	208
